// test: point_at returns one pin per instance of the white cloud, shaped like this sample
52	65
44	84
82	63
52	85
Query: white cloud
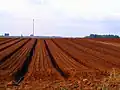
59	17
88	9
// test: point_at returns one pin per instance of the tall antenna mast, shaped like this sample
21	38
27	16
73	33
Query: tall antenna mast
33	27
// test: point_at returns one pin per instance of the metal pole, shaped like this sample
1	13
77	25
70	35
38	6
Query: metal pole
33	27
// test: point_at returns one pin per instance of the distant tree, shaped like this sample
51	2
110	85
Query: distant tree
6	34
1	35
102	36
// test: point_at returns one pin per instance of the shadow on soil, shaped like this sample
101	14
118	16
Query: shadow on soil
55	65
19	75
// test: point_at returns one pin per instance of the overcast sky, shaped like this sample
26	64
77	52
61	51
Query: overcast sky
60	17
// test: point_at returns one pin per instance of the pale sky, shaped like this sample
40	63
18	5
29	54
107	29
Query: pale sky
60	17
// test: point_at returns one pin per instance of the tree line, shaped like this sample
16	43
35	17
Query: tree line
102	36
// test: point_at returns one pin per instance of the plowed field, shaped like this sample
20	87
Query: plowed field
58	64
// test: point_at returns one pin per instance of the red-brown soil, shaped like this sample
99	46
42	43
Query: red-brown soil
57	63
